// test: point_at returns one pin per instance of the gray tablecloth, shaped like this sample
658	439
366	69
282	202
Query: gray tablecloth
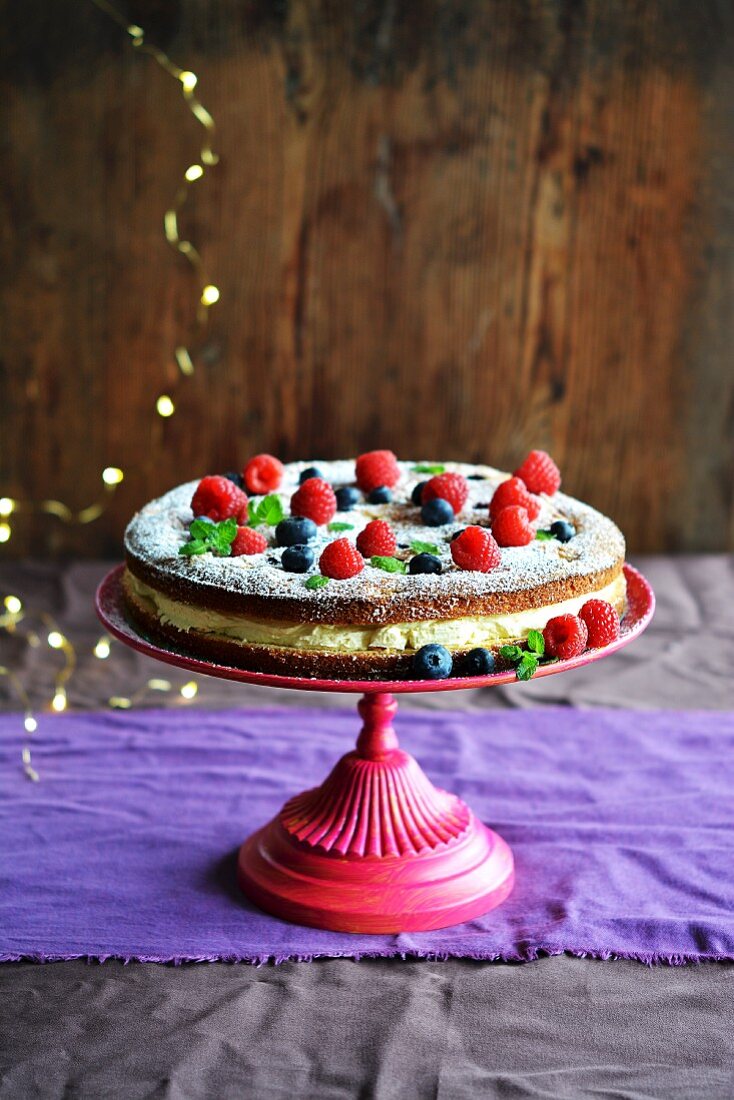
560	1027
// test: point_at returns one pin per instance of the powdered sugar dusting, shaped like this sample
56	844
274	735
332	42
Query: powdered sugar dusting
156	533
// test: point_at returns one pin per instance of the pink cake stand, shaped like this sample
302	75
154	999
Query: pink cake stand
375	848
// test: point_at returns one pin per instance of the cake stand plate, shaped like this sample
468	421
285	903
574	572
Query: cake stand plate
376	847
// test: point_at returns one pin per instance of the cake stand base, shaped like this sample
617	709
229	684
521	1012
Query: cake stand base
376	848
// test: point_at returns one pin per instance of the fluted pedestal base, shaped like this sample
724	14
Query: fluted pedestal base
376	848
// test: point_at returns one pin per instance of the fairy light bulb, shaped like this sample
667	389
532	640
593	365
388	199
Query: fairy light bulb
102	649
13	604
58	702
209	295
164	406
7	506
112	475
55	639
30	723
190	690
4	532
188	80
194	172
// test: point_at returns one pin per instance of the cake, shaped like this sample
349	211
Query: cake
349	600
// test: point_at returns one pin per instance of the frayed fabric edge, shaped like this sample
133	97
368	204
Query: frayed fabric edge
534	954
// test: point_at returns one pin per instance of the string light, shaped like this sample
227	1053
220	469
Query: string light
190	690
209	295
102	648
59	700
13	604
4	532
7	506
55	639
164	406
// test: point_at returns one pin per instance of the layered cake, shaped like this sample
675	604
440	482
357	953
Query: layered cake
375	568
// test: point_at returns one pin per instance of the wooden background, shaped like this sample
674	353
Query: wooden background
458	229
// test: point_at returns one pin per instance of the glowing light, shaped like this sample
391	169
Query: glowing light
159	685
195	172
30	723
4	532
164	405
119	702
112	475
102	649
209	295
55	639
189	80
59	701
13	604
7	504
190	690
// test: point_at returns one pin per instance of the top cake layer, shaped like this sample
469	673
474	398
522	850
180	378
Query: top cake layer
539	574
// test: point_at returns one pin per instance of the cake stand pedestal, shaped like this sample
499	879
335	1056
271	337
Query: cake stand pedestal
376	847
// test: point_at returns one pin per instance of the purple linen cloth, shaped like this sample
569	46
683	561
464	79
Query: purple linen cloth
620	821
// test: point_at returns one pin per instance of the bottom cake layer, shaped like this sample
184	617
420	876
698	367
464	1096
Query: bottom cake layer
327	662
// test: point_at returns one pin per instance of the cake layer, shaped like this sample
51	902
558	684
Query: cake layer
455	634
257	588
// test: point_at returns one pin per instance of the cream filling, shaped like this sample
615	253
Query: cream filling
474	630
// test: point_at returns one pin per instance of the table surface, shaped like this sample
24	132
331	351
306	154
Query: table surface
561	1027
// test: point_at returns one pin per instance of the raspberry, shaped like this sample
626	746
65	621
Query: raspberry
514	491
340	560
375	469
451	487
565	636
315	500
511	526
378	537
247	541
602	622
540	473
475	549
263	474
219	498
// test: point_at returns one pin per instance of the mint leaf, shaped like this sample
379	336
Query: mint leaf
511	653
428	468
195	546
268	511
390	565
317	581
543	536
419	547
340	527
536	642
527	667
200	529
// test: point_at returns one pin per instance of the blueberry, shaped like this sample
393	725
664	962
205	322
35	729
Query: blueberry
457	533
475	477
478	662
297	559
562	531
382	495
424	563
295	531
310	471
232	475
432	662
346	498
437	512
417	494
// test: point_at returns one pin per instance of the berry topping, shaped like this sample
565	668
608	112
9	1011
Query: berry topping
437	512
451	487
219	498
380	495
295	531
247	541
424	563
540	473
346	498
562	531
232	475
377	468
565	636
262	474
514	491
476	549
511	526
478	662
315	499
432	662
417	495
378	538
341	559
310	471
297	559
602	622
